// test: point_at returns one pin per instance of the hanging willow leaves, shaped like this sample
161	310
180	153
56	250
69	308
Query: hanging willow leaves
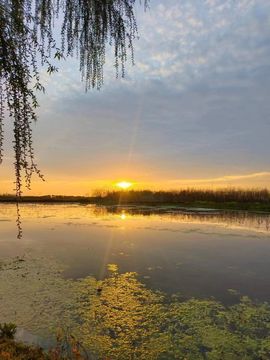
27	40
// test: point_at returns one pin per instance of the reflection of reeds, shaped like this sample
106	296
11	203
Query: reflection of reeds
242	219
89	215
249	199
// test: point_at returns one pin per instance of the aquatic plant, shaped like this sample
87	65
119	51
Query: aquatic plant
12	350
119	318
7	330
129	321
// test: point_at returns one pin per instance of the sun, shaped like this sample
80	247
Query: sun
124	185
123	216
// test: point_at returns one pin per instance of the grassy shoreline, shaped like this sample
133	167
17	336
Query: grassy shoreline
228	199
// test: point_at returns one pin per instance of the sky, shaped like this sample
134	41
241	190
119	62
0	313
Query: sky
194	111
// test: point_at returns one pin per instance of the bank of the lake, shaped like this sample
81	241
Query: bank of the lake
226	199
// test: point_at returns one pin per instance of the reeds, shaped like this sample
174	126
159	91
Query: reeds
228	195
189	196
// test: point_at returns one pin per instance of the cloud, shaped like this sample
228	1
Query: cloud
182	42
223	178
185	41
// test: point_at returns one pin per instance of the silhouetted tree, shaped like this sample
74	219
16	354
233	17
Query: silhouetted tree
27	38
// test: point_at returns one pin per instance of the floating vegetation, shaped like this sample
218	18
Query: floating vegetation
119	318
34	296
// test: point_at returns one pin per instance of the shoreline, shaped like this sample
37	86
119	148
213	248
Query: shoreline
155	206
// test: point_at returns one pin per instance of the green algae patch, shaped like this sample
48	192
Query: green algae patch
35	296
119	318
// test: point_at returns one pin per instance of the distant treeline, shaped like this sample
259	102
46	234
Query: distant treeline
187	196
47	199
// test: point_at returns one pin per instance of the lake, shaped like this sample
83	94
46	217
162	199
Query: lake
201	254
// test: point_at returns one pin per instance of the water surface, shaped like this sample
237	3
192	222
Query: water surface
201	254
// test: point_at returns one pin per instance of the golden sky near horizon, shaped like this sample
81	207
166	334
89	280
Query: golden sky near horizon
86	187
